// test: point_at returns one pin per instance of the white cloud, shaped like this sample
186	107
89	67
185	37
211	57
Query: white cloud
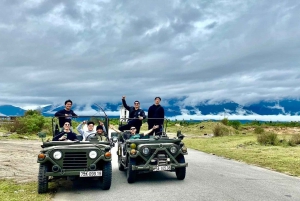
97	51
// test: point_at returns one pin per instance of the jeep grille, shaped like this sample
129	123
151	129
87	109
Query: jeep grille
75	160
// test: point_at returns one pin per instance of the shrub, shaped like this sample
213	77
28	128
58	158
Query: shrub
220	130
295	140
259	130
225	121
268	139
234	124
32	112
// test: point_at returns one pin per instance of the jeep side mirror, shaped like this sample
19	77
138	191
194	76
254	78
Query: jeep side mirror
180	135
42	134
114	136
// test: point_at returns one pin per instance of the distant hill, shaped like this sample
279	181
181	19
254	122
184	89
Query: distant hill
11	110
227	109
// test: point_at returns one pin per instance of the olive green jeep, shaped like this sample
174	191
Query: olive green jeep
75	159
151	154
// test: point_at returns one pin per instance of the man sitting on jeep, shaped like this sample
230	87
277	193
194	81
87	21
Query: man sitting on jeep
66	134
90	126
133	134
101	134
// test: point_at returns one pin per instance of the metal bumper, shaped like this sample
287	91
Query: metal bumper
151	167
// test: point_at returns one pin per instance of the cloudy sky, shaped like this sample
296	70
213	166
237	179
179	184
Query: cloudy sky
97	51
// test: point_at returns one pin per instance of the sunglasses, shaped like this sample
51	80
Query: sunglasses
67	124
136	103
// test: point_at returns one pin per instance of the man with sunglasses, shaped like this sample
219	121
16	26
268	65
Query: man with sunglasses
136	116
133	132
66	134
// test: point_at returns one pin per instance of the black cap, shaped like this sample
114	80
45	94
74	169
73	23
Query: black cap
99	127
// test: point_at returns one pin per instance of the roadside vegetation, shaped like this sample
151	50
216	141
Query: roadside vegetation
272	145
12	191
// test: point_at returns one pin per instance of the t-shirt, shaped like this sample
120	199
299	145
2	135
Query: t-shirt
62	118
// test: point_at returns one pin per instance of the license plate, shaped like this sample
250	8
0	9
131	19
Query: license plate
162	168
90	173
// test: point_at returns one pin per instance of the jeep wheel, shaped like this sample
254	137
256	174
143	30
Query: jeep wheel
120	165
106	176
42	179
180	172
131	175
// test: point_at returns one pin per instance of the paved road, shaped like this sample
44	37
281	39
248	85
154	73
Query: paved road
208	178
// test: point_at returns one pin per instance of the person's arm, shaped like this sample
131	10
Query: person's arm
56	138
79	128
125	104
59	113
149	115
161	115
103	126
142	114
112	127
73	114
149	131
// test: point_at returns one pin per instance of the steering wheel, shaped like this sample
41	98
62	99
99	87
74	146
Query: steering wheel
89	136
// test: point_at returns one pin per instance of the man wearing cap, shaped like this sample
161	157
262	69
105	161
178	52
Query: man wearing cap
156	115
90	127
136	116
101	134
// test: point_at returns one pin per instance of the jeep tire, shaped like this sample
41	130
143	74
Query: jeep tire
131	174
180	172
106	176
42	179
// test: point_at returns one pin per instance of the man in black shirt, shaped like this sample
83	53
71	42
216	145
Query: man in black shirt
66	114
136	116
66	134
156	111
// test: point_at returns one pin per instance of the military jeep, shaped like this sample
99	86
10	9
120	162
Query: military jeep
75	159
151	154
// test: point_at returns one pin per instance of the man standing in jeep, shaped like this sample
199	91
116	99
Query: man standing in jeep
156	111
66	114
136	116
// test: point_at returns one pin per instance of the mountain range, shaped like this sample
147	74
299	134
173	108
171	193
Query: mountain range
287	109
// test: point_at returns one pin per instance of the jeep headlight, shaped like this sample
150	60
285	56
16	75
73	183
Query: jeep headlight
132	146
57	155
173	149
93	154
146	150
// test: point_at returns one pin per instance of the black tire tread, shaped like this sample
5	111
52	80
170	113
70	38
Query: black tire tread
106	175
131	175
180	172
42	179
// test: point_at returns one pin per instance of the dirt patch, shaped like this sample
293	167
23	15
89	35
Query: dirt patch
18	160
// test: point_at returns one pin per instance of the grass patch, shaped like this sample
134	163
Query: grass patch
245	148
16	136
12	191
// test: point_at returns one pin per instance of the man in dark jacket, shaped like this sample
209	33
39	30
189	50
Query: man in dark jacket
66	114
136	116
66	134
158	112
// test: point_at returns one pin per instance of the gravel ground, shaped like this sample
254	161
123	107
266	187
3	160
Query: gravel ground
18	160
